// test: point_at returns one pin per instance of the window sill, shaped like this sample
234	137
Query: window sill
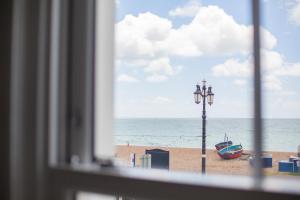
159	184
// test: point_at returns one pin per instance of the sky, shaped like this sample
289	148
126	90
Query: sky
164	48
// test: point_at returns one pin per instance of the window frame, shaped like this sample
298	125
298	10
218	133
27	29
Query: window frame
72	81
58	174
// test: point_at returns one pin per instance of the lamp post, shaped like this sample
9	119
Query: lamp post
203	94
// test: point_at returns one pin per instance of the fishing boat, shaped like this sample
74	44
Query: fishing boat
224	144
231	152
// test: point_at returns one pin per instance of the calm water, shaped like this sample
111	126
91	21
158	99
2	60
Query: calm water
279	135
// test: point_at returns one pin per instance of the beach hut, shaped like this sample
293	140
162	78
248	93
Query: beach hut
292	158
286	166
295	160
266	161
298	165
159	158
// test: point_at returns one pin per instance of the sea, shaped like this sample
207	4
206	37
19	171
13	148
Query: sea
278	134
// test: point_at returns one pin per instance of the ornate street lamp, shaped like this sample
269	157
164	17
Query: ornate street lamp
198	95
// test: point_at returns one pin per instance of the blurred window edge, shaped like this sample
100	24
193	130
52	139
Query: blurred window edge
65	160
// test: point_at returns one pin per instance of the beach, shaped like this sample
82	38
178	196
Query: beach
189	160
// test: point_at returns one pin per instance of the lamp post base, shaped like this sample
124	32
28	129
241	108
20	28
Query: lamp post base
203	163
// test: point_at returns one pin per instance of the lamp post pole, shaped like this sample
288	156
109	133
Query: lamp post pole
202	94
203	132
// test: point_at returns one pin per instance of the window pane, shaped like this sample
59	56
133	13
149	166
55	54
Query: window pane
163	49
94	196
281	77
97	196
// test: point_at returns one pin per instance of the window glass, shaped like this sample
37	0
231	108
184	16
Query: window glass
163	49
281	77
97	196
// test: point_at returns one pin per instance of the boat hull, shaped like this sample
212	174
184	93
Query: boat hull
231	152
233	155
223	145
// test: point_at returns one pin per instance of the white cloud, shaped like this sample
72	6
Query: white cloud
214	32
211	32
275	63
273	66
232	68
271	60
150	41
294	12
161	100
271	82
156	78
138	63
272	63
188	10
289	70
126	78
287	93
160	65
140	37
240	82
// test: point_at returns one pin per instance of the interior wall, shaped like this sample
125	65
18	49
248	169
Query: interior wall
5	56
23	100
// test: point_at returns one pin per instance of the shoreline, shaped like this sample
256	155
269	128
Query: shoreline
154	146
189	160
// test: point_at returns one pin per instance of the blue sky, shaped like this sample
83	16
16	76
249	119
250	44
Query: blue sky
163	48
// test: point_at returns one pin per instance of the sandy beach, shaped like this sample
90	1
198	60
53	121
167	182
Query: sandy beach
189	159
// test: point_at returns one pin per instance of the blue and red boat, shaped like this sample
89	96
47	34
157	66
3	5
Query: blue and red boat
231	152
224	144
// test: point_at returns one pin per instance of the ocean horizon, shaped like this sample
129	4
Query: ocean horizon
279	134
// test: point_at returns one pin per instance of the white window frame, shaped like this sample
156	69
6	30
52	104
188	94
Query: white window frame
58	116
